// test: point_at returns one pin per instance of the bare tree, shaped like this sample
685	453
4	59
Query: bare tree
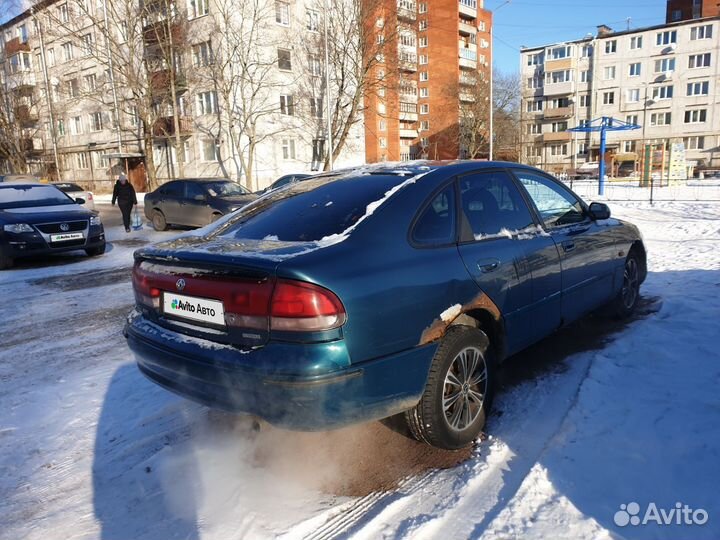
18	125
506	125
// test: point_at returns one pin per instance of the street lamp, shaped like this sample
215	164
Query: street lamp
492	58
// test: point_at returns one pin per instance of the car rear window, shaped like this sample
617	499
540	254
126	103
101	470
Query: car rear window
310	210
68	187
29	196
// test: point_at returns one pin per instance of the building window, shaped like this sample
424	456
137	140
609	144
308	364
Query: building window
74	88
88	44
284	61
610	73
96	123
696	116
587	51
20	62
701	88
423	59
383	142
660	119
535	59
61	127
534	129
425	125
608	98
558	127
381	108
666	65
631	119
633	95
312	20
676	15
50	55
286	105
423	25
206	103
666	38
558	53
67	52
535	105
582	149
382	125
636	42
662	92
209	150
81	160
316	107
63	13
424	92
701	32
699	60
555	77
202	54
629	146
423	42
91	82
694	143
423	76
635	69
424	108
585	101
611	46
76	127
315	65
288	148
558	150
585	76
198	8
422	7
282	13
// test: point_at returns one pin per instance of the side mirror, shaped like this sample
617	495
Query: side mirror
599	211
79	200
200	197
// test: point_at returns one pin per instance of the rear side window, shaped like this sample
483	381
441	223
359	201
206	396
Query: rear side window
311	210
172	189
493	204
436	223
556	205
194	191
68	187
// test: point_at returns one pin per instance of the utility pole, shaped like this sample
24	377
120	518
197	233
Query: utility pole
327	87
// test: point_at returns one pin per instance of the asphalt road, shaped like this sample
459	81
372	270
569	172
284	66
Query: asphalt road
111	216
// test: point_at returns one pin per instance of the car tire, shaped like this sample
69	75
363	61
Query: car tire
458	394
95	251
158	221
6	262
627	298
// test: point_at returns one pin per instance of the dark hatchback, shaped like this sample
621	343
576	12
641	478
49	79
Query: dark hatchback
378	293
285	180
194	202
39	219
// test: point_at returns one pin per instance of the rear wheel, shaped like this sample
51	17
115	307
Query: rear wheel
95	251
458	393
158	221
627	299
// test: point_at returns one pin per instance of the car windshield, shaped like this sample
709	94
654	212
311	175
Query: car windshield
68	187
310	210
225	189
29	196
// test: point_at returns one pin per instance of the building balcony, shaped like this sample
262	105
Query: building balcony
468	64
409	116
467	80
560	136
408	134
165	126
467	28
406	11
31	145
408	65
21	80
25	116
559	89
15	45
409	98
467	98
559	64
160	82
560	112
468	8
462	44
159	32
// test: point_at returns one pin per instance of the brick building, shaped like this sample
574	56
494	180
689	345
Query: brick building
683	10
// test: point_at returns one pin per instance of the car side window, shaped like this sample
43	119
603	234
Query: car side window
556	205
493	205
194	191
436	223
172	189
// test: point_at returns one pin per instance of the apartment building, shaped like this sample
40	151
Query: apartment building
665	79
438	61
683	10
69	87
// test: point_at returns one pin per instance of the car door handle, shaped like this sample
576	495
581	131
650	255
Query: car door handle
488	265
568	245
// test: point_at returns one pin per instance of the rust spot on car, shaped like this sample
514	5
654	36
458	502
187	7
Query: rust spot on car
438	327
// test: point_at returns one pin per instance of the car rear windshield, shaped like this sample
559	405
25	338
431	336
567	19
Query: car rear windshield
68	187
310	210
225	189
29	196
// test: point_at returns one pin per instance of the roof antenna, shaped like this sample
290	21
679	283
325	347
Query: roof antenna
628	22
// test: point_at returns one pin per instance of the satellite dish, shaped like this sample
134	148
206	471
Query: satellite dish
673	46
54	81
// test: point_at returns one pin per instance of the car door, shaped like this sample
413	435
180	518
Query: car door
169	202
586	246
195	204
495	223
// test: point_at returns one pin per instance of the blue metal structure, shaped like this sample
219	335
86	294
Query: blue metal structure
603	125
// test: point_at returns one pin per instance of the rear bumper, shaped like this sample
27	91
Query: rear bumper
297	386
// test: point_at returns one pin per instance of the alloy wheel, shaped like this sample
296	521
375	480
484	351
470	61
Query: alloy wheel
465	388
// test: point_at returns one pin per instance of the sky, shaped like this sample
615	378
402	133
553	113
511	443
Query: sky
540	22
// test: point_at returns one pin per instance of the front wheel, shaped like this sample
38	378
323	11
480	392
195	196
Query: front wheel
95	251
626	301
458	393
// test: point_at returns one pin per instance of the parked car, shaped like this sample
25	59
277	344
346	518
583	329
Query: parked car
378	293
588	170
19	178
284	181
39	219
194	202
76	192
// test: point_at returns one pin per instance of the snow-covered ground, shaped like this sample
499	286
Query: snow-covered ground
600	415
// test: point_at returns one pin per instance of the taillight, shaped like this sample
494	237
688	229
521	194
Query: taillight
145	293
300	306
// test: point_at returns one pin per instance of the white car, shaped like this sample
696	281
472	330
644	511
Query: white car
75	191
